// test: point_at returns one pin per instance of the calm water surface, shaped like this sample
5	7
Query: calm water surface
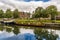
28	33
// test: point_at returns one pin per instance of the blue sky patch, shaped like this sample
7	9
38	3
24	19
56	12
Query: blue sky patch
34	0
42	0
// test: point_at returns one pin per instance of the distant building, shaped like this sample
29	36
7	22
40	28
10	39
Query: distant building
24	15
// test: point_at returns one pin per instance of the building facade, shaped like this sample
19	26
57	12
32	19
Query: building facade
24	15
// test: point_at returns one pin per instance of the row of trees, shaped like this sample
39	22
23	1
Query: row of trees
9	14
39	12
45	13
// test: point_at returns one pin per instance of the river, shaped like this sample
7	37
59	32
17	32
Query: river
13	32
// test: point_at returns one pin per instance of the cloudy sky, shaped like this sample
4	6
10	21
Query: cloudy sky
28	5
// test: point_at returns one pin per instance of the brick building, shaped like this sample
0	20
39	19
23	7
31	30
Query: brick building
24	15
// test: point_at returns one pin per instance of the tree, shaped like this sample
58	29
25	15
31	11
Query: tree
8	14
40	12
16	13
52	10
44	14
1	13
37	12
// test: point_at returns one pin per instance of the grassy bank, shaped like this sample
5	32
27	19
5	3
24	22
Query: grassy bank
31	21
57	21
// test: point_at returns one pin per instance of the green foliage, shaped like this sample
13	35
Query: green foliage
40	12
8	14
37	12
45	13
1	13
1	28
29	22
52	10
16	30
16	13
8	29
44	34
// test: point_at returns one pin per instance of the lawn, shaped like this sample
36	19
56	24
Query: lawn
31	21
35	22
25	21
57	21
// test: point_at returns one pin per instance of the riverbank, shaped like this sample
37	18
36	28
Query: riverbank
29	22
35	23
38	23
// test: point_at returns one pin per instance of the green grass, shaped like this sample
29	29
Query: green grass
28	21
31	21
35	22
57	21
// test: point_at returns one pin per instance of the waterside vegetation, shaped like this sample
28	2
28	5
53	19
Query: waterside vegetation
39	16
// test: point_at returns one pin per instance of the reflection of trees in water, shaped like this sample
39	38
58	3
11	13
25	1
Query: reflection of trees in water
13	29
8	29
44	34
39	32
1	28
16	30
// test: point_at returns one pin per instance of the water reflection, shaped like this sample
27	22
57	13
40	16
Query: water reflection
26	33
16	30
1	28
44	34
8	29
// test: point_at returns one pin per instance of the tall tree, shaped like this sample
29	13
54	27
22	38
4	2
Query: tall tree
52	10
16	13
44	14
8	14
40	12
37	12
1	13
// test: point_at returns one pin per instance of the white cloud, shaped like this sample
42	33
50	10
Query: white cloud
27	6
